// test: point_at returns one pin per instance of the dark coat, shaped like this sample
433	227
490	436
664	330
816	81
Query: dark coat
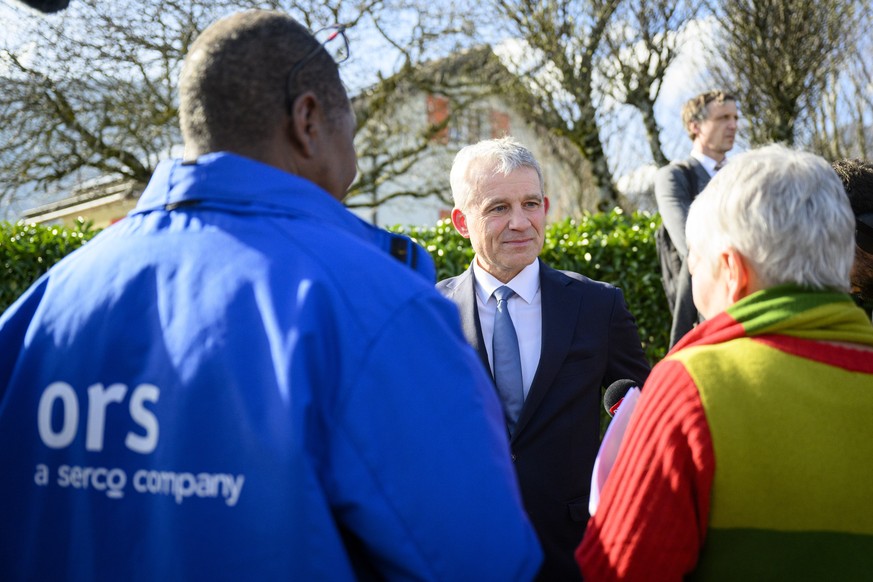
589	341
676	186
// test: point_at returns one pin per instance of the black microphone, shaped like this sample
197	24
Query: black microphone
615	394
47	6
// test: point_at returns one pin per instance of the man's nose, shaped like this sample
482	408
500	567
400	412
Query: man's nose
518	220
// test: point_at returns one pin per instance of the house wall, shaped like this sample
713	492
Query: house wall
489	118
565	175
101	204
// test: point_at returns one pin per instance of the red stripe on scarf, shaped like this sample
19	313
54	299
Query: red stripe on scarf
850	358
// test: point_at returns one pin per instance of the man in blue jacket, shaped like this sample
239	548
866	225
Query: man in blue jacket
237	381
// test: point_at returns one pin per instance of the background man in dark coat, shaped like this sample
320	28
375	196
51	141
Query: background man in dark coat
711	122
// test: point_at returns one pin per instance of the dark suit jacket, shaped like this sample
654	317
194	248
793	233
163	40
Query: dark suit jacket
589	341
674	193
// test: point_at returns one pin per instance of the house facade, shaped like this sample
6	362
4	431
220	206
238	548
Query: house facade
405	149
100	201
422	195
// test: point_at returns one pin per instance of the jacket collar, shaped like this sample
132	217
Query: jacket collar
234	183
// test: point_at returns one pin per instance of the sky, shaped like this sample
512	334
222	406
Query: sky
622	132
625	141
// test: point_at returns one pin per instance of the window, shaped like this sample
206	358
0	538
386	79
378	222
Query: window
466	126
437	113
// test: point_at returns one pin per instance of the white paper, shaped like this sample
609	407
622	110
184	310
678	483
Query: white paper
609	447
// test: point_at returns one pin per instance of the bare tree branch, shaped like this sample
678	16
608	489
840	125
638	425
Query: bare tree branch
564	37
780	53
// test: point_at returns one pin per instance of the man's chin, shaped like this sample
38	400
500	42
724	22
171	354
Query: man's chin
521	262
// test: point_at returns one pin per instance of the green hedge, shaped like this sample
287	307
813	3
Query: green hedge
28	250
615	247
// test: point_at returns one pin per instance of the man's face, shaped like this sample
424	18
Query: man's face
504	221
716	133
341	135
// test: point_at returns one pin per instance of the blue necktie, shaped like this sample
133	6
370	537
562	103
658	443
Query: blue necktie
507	362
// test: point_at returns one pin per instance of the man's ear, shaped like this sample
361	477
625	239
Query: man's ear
740	275
460	222
546	204
694	126
305	124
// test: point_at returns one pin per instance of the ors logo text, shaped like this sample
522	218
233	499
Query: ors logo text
113	481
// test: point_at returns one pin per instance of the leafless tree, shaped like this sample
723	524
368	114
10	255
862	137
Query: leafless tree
777	55
92	91
841	121
642	42
561	40
394	140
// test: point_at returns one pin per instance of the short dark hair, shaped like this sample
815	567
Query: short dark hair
232	88
47	6
857	178
697	108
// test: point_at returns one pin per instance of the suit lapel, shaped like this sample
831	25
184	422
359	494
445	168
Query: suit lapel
700	173
560	313
464	296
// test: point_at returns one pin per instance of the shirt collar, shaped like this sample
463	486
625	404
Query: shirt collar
707	162
526	284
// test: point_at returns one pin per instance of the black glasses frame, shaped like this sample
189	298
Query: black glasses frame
337	31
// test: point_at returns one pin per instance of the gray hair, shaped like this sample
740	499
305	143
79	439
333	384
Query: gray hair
503	155
785	211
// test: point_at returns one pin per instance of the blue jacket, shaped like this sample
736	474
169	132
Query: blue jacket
235	382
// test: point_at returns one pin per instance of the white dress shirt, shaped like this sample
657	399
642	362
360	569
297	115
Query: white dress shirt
525	309
707	162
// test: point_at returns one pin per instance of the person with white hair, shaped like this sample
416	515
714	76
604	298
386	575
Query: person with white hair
748	455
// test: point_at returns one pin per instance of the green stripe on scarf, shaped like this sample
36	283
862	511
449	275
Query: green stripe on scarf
794	311
770	555
791	436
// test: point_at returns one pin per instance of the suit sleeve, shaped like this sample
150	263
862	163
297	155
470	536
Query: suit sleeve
673	195
654	510
427	482
626	357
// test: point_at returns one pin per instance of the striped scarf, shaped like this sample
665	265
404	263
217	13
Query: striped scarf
786	310
789	404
